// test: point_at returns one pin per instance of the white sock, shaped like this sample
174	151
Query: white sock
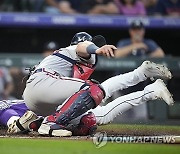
12	119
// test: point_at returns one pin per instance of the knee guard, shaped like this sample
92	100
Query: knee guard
87	125
90	95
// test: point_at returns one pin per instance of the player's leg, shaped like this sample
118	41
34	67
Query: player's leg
43	96
18	117
66	86
11	111
157	90
89	96
81	126
15	115
7	117
146	70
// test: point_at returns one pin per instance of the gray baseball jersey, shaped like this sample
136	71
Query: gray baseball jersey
62	66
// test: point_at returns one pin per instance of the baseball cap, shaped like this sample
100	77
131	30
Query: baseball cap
51	45
136	24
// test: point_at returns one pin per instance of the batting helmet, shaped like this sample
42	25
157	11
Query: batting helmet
98	40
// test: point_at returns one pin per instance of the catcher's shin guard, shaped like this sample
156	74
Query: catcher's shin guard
87	98
87	125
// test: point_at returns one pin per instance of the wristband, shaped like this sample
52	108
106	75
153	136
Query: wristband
91	49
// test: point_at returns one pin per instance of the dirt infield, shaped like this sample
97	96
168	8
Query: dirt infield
113	129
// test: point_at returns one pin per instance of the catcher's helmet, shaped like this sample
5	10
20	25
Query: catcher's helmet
98	40
81	37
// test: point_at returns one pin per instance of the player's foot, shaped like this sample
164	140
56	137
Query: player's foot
160	91
151	70
22	124
53	129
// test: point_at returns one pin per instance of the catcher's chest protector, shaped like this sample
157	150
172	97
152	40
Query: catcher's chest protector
82	72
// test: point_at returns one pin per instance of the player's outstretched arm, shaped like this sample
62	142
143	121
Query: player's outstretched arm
85	49
106	50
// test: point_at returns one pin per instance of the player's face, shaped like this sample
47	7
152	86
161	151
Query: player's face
137	34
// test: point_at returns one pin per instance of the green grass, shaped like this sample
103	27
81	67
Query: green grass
144	127
140	129
69	146
47	146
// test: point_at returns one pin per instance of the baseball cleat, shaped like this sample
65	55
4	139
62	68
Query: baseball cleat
22	124
160	91
155	70
53	129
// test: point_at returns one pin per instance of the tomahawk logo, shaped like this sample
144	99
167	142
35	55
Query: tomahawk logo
81	39
100	139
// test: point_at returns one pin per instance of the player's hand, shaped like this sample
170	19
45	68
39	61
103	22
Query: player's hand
139	46
106	50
